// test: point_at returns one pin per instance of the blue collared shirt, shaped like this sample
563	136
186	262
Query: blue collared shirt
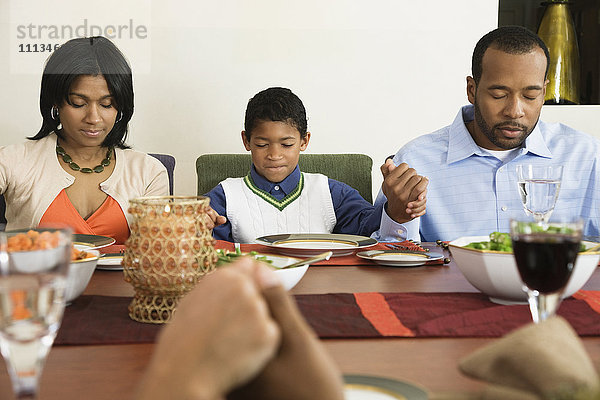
471	192
354	214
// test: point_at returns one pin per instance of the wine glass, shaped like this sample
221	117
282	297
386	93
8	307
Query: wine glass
33	274
539	186
545	257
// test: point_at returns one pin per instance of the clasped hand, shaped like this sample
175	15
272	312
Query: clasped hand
405	190
239	334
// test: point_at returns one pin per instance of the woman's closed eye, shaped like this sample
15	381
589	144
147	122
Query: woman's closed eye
77	104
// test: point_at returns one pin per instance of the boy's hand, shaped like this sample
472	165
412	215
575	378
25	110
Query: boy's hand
213	219
406	191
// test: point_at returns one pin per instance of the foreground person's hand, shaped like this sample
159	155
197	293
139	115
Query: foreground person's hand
302	369
405	191
221	336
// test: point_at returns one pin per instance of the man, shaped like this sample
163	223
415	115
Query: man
471	164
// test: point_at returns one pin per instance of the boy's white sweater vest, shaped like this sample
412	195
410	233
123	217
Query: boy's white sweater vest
254	213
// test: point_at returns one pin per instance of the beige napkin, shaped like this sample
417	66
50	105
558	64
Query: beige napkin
534	362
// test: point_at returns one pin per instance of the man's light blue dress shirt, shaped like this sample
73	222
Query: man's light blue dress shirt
471	192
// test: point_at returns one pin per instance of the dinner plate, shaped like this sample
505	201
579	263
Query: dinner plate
308	244
93	241
399	258
110	262
363	387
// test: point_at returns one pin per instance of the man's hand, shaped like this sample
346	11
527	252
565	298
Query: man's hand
406	191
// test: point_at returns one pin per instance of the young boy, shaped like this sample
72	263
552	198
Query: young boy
275	197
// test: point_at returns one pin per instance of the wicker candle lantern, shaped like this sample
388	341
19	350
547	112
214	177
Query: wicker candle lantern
170	248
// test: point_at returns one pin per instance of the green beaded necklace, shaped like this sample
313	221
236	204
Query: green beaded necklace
97	169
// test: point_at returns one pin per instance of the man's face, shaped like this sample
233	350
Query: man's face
508	99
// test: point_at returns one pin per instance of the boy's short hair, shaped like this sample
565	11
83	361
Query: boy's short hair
275	104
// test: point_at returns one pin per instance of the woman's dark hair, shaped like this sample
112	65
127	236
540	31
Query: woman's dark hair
87	56
275	104
509	39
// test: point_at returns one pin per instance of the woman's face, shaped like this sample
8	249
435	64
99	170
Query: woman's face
90	114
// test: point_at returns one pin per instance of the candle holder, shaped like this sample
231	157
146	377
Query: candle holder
169	250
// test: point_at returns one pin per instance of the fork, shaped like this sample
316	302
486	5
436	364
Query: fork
400	247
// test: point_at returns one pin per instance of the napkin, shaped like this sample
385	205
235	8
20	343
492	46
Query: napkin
538	361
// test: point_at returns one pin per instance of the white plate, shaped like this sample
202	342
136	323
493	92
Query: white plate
398	258
308	244
110	263
361	387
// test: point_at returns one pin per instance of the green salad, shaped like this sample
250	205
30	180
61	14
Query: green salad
226	256
498	242
501	241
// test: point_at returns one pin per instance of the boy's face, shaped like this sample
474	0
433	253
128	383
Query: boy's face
275	148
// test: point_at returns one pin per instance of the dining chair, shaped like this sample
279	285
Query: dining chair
352	169
169	162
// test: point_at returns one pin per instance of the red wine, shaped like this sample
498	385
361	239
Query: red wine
545	262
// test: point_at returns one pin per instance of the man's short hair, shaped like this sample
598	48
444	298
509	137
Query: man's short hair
509	39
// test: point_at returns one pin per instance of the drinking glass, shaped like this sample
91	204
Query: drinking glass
539	186
33	273
545	257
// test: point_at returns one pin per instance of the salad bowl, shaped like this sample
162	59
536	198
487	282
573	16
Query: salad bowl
495	273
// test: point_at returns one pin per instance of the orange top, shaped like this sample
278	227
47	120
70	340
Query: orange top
107	220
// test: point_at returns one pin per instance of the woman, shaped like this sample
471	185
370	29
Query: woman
77	169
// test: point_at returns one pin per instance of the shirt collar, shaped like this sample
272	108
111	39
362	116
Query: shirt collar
461	144
286	186
536	144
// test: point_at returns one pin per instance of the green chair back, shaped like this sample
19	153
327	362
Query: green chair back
352	169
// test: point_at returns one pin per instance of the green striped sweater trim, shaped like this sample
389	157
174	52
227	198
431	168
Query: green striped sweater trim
278	204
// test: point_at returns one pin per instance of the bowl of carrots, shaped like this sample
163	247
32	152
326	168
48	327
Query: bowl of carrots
81	269
35	251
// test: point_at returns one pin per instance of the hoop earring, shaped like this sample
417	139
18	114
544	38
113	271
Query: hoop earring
55	117
120	117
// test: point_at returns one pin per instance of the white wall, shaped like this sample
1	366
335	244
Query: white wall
372	74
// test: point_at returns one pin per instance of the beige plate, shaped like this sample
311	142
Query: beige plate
308	244
363	387
398	258
94	241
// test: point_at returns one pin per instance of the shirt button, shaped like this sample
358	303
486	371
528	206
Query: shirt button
276	187
504	208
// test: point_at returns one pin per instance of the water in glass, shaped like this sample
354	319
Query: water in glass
32	301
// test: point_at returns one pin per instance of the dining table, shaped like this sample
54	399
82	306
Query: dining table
112	371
